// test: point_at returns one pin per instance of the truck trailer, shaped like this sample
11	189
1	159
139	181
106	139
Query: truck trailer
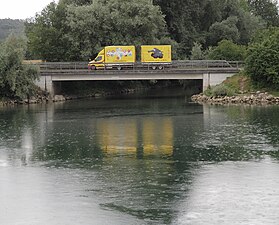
123	57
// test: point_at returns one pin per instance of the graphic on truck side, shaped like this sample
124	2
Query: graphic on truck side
156	53
119	53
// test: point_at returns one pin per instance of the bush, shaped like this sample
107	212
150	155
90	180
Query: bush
262	63
227	50
16	78
220	90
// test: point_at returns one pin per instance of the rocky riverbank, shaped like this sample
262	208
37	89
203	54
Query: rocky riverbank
258	98
40	98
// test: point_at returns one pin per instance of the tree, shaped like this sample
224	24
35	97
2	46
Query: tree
16	78
226	29
196	52
262	62
208	22
248	24
49	35
78	29
238	23
75	2
185	22
115	22
227	50
267	9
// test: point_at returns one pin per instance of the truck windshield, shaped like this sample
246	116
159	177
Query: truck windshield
99	58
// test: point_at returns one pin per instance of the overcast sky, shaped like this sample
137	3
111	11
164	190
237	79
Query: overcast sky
21	9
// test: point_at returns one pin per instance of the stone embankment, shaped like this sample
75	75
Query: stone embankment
258	98
32	100
60	98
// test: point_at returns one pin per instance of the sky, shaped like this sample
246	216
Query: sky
21	9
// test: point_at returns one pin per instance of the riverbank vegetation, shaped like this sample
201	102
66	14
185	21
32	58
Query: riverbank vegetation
261	70
16	78
76	30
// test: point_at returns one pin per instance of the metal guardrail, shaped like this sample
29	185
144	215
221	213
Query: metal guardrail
208	64
82	67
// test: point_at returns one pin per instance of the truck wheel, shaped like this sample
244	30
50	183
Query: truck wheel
160	67
93	67
154	67
119	68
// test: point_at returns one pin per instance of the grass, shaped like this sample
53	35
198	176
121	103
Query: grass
240	83
237	85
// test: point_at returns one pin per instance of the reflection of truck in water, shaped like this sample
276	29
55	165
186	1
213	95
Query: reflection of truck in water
122	57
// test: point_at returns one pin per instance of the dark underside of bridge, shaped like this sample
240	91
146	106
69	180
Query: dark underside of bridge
91	88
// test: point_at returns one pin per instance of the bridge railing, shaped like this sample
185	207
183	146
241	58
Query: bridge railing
177	64
207	64
63	66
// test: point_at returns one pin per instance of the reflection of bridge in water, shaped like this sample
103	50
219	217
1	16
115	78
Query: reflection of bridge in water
210	72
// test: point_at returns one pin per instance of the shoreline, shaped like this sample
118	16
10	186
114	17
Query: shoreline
257	98
44	99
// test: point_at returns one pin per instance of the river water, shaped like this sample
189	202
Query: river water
139	160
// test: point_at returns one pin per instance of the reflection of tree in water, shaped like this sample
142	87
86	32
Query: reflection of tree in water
17	131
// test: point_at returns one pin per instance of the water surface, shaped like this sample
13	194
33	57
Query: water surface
139	161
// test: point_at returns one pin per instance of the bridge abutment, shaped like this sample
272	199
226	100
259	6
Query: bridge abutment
212	79
46	84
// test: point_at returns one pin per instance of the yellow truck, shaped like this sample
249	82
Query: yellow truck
122	57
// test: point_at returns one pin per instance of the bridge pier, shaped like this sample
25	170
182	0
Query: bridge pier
206	81
46	84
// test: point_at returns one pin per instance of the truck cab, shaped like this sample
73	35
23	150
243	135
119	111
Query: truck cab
98	62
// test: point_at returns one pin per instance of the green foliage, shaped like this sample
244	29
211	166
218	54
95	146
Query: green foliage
248	24
115	22
262	62
267	9
78	29
227	50
76	2
208	22
196	52
186	22
49	36
226	29
240	82
16	79
220	90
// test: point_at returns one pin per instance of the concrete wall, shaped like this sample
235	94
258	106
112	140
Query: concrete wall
45	83
212	79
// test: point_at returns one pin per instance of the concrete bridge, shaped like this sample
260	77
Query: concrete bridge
210	72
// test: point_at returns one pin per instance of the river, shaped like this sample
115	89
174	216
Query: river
139	160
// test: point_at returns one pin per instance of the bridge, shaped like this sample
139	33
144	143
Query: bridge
211	72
